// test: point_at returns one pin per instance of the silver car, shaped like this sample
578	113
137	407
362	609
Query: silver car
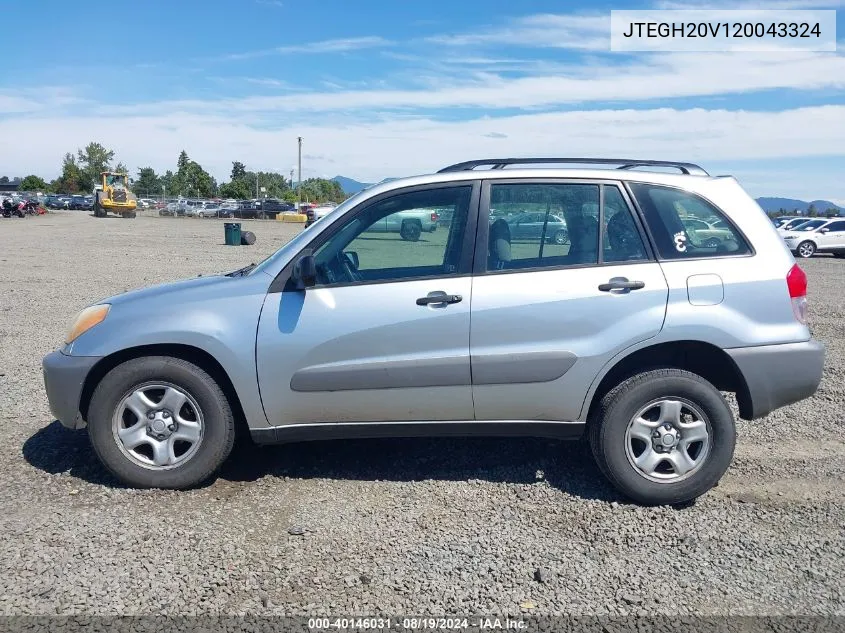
629	332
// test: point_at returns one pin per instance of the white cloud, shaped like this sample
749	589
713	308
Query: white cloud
650	77
748	4
579	32
371	150
324	46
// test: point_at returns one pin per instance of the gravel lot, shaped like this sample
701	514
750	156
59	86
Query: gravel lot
390	527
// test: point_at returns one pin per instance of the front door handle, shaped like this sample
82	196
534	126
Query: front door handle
438	297
621	283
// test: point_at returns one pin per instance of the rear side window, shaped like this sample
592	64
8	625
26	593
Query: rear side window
685	225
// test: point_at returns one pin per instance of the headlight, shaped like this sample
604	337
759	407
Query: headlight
87	319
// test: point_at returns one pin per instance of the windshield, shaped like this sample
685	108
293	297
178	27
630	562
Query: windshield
302	238
811	225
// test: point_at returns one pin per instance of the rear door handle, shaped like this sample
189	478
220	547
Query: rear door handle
621	283
438	297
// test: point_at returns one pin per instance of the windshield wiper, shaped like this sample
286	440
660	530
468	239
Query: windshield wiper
240	272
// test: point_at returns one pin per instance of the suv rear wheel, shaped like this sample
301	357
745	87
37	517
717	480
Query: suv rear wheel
663	437
160	422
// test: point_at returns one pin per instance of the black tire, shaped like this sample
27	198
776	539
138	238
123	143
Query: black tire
247	238
561	237
608	425
839	255
805	249
410	230
219	425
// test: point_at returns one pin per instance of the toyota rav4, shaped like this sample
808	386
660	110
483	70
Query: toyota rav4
629	330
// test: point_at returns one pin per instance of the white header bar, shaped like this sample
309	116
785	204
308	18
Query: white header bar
719	30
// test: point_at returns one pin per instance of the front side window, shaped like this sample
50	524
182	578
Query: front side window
684	225
396	238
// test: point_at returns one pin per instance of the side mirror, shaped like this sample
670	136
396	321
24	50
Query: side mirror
352	258
305	272
824	230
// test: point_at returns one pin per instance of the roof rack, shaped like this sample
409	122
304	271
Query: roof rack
688	169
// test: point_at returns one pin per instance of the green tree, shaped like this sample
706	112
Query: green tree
4	180
168	181
33	183
72	179
147	183
182	162
238	171
812	212
93	160
830	212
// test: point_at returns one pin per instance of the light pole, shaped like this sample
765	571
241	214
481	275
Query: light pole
163	192
299	185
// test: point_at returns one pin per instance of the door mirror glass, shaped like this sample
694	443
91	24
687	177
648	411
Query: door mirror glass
824	230
352	259
305	272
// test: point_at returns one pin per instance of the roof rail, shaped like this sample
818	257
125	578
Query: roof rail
688	169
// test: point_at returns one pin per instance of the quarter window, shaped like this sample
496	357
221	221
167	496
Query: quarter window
685	225
400	237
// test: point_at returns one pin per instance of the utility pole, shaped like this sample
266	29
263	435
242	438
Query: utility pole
291	178
299	185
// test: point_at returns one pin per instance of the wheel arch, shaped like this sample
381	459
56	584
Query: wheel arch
704	359
195	355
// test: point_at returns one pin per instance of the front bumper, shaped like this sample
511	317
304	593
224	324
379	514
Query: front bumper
778	375
64	378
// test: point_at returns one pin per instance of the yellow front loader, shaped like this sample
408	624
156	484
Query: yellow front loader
112	195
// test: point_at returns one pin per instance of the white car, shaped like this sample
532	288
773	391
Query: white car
792	224
817	236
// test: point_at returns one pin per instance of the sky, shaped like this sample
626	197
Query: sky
382	89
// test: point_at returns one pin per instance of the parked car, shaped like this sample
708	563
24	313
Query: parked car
629	333
532	225
793	224
408	224
77	203
817	236
56	202
208	211
781	220
705	233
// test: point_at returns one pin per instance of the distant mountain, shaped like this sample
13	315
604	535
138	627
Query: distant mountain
792	205
349	185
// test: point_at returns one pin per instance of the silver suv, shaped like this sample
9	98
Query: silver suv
628	330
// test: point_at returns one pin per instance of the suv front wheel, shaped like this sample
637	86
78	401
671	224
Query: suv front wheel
160	422
663	437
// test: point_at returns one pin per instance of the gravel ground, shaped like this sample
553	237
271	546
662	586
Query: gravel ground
386	527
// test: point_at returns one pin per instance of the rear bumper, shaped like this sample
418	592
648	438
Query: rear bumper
778	375
64	377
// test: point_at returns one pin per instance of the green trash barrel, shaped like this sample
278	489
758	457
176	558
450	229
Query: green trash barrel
233	233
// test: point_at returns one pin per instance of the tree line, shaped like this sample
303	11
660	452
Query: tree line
81	171
812	212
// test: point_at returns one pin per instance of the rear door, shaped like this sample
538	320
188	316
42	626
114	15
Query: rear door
546	317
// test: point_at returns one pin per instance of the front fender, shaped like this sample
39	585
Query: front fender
220	319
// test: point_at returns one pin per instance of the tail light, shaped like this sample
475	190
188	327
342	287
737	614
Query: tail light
434	216
796	281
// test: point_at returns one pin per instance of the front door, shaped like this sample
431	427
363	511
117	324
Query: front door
546	317
384	335
833	239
